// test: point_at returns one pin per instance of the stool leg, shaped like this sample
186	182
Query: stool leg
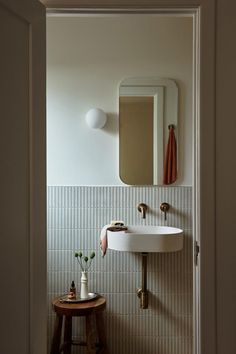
101	333
89	335
56	335
68	335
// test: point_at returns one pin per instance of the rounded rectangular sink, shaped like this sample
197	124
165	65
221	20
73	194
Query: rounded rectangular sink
146	239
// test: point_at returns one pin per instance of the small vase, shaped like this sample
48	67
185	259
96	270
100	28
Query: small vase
84	286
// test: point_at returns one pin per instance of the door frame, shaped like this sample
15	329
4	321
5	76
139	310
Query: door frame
203	13
25	321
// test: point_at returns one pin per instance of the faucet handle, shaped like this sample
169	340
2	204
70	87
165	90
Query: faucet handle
142	208
165	207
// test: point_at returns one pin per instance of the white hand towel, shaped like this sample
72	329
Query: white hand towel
103	235
103	239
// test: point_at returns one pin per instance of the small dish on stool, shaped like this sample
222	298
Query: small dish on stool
91	296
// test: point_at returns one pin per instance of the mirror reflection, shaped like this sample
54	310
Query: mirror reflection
148	122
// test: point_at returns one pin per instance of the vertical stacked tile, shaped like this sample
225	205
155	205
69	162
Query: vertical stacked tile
75	218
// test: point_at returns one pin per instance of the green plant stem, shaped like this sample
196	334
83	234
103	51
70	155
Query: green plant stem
80	263
86	266
89	265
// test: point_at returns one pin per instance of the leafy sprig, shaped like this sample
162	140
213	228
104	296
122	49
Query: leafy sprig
84	261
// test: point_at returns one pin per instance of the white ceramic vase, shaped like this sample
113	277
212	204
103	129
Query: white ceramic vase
84	286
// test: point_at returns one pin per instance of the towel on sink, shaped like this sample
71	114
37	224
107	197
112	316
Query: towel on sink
113	226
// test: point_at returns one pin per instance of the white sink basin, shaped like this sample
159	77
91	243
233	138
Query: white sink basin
146	239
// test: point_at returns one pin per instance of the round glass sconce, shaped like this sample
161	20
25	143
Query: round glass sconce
96	118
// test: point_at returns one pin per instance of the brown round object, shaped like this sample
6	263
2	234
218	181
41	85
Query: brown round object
80	308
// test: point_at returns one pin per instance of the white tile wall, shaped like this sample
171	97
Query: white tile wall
75	218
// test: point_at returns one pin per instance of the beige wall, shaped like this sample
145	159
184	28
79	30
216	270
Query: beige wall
226	177
23	177
87	58
136	140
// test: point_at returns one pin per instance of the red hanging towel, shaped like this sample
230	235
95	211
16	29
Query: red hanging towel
170	165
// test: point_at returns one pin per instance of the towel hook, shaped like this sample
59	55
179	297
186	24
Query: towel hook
171	126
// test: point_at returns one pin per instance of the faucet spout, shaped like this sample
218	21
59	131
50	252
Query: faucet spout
165	207
142	208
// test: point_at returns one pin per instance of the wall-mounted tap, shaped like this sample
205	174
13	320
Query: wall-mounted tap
165	207
142	208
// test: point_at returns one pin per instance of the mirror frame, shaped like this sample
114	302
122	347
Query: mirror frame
165	113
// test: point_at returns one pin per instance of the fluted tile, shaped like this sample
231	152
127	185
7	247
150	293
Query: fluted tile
75	218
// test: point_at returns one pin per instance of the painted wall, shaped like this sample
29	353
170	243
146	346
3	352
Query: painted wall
225	178
87	57
75	218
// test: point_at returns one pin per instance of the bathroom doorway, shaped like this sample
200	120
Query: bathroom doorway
33	245
72	199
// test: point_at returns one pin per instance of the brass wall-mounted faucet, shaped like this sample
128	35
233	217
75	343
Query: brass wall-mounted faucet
142	208
165	207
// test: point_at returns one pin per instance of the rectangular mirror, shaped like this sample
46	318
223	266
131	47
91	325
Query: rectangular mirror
147	107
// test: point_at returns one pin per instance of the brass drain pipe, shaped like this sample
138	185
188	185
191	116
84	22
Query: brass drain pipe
143	291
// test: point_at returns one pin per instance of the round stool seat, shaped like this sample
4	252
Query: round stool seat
89	309
79	308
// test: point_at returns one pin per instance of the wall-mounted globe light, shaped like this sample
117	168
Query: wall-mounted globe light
96	118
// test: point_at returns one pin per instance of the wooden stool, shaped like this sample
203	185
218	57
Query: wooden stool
88	309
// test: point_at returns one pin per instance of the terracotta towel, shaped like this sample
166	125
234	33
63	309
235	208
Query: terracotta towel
113	226
170	165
